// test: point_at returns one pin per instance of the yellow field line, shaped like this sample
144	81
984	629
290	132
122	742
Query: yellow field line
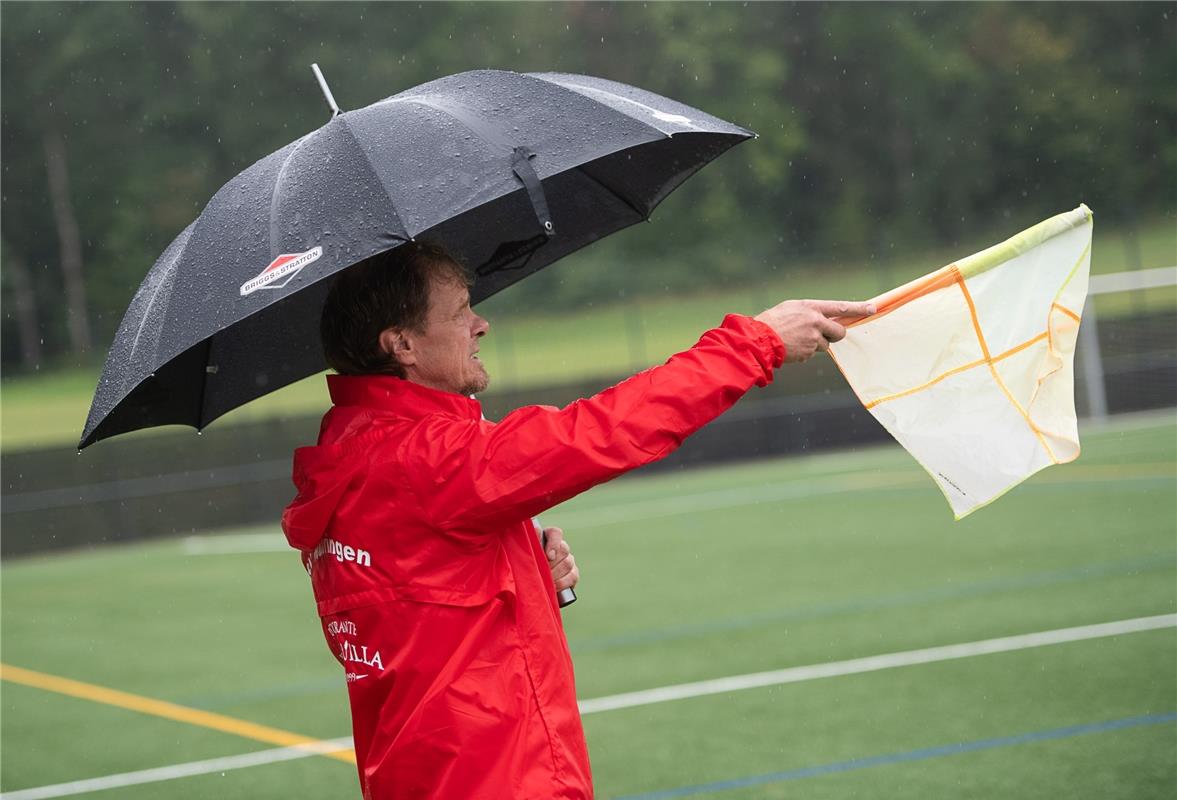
161	708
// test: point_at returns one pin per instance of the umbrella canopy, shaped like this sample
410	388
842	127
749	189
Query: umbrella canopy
510	172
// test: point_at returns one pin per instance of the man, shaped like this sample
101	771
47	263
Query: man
414	518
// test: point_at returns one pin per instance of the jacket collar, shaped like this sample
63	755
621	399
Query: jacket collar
407	399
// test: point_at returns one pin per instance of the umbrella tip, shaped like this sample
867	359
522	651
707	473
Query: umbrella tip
326	90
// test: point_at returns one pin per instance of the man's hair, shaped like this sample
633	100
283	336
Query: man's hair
387	290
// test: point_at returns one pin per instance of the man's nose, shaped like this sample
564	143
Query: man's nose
481	326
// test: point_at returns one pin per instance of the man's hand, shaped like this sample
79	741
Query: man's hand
564	571
809	326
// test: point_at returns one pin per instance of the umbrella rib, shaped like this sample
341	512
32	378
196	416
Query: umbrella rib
375	173
274	193
204	383
481	127
584	90
628	201
145	317
149	304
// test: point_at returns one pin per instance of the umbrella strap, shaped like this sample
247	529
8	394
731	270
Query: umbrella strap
521	166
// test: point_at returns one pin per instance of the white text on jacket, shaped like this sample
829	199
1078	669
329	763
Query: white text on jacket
342	552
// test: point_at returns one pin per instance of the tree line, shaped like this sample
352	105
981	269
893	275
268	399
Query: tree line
880	126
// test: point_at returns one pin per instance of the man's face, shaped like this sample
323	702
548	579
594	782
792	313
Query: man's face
444	351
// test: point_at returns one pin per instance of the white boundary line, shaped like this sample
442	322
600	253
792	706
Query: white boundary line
682	691
668	505
631	510
179	770
218	544
1131	280
626	511
716	499
855	666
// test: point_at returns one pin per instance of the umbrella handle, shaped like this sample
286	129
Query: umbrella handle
565	597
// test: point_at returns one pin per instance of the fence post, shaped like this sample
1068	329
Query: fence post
1092	361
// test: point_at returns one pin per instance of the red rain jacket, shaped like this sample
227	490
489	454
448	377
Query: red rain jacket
413	518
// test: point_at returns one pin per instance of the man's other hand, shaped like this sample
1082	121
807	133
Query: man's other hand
564	571
809	326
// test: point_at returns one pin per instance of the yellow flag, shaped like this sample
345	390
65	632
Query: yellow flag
970	367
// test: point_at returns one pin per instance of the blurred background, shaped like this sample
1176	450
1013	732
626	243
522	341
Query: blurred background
883	131
892	139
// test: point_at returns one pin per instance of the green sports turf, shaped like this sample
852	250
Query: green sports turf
686	576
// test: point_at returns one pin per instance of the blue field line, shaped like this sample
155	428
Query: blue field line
922	754
220	701
1153	562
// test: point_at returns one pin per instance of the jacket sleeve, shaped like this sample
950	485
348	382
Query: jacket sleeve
471	475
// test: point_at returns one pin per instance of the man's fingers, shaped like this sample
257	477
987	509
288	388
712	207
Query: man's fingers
832	331
842	308
563	567
554	545
567	575
558	553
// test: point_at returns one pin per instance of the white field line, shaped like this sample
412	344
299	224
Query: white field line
632	511
679	504
1129	421
856	666
664	694
1132	279
715	499
179	770
225	544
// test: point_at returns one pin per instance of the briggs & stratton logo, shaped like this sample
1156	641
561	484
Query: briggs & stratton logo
280	271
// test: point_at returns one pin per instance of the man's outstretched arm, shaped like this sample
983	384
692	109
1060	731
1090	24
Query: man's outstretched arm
482	473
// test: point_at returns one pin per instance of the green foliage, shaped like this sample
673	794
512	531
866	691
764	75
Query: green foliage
881	127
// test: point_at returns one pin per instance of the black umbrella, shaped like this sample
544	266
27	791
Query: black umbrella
508	171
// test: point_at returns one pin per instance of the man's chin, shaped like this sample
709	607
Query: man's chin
477	385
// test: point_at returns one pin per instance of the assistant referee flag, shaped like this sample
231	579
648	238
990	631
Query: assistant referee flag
970	367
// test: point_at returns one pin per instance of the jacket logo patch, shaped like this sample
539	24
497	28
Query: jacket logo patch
280	271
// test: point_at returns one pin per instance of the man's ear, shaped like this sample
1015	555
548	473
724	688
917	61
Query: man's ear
395	343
